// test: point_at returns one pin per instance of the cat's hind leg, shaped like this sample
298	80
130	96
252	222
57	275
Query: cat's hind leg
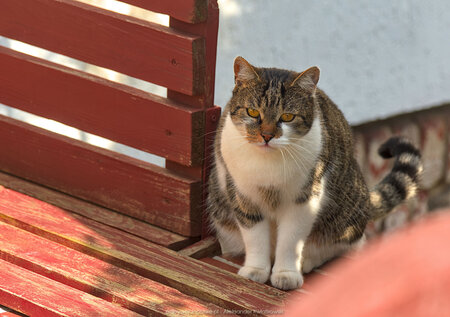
230	240
316	255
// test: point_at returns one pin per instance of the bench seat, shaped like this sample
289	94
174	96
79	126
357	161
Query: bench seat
103	254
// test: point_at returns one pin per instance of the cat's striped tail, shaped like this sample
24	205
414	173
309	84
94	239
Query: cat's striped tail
402	182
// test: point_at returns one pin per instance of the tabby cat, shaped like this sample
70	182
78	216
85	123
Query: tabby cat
285	187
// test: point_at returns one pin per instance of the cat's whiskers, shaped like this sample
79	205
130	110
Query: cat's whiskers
299	158
284	167
301	139
293	158
302	148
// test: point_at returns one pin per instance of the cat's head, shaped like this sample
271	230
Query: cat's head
272	107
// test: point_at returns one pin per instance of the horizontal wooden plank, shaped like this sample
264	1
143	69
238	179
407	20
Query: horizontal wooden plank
95	105
96	277
188	275
128	45
109	217
9	313
118	182
203	248
191	11
220	264
35	295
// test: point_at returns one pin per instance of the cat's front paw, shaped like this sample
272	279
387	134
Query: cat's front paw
255	274
286	280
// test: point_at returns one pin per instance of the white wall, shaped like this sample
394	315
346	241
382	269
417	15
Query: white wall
377	58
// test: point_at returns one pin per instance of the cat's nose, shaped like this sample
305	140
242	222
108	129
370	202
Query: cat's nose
267	136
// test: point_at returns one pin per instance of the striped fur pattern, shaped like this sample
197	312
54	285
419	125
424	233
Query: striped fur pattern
285	188
401	184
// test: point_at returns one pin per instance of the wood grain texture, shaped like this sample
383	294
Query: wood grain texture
35	295
96	277
223	265
188	275
208	30
203	248
101	107
10	314
191	11
106	216
133	187
128	45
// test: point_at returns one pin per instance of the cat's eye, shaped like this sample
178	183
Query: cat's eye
253	112
287	117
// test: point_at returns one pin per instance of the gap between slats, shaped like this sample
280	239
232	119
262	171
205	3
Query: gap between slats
117	112
132	46
190	276
35	295
141	190
96	277
102	215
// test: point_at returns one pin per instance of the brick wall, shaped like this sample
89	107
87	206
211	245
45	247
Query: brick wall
430	131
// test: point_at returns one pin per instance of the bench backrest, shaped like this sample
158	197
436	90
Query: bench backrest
180	57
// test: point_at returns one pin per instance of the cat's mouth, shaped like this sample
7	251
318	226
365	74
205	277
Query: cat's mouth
266	146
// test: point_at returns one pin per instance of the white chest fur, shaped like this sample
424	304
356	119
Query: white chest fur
287	167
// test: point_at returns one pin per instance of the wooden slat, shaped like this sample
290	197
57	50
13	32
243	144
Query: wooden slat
128	45
10	314
92	104
94	276
203	248
111	218
220	264
188	275
35	295
236	259
136	188
191	11
209	31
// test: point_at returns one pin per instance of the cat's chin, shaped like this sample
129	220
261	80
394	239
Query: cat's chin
265	147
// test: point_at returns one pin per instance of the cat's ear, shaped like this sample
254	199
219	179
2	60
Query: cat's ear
308	79
243	71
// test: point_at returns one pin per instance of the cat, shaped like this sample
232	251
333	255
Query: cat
285	188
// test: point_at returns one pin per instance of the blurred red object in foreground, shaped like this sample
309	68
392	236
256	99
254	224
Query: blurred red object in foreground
404	274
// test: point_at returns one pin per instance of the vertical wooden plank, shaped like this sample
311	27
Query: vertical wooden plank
209	31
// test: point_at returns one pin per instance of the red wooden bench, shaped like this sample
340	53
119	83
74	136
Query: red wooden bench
85	231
